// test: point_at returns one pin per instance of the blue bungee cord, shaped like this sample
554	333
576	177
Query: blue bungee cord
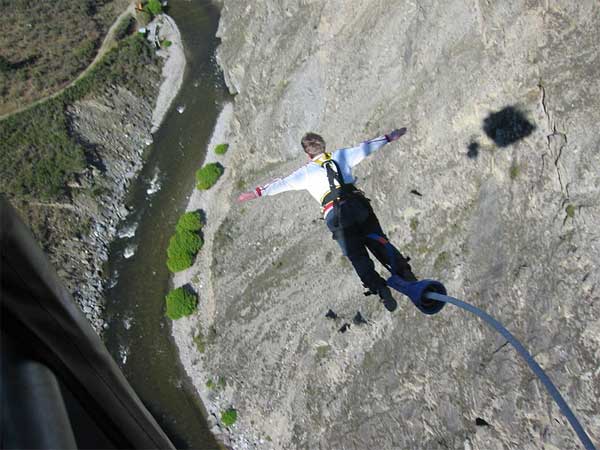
535	367
429	296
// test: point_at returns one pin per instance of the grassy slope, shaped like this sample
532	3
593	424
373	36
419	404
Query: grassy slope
38	154
44	45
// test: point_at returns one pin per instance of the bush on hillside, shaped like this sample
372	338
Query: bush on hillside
229	417
184	242
180	303
182	249
179	262
190	221
221	149
154	7
208	175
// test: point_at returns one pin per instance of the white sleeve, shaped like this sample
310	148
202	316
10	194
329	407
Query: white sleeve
294	182
353	155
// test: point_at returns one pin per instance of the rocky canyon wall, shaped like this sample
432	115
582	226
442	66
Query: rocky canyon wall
495	191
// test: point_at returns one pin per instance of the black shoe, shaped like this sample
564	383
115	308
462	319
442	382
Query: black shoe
385	297
407	275
405	271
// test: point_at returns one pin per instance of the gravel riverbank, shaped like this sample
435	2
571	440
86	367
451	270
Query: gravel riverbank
173	68
211	203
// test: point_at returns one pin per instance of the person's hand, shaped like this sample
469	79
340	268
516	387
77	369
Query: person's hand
245	196
394	135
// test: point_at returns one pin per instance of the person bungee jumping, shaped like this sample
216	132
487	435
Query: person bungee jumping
347	212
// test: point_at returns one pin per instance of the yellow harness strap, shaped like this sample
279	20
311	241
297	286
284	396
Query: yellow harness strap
323	158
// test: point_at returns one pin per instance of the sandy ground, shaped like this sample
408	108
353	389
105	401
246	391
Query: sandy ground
173	69
211	203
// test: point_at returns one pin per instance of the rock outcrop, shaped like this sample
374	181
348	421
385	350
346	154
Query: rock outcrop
116	127
495	190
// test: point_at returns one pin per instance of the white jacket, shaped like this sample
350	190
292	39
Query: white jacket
313	177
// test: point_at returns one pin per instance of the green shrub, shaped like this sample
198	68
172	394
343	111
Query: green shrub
515	170
182	249
221	149
570	210
154	7
184	242
208	175
166	43
229	417
190	221
177	263
180	303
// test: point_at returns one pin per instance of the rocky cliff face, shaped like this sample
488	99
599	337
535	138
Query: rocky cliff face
116	129
495	191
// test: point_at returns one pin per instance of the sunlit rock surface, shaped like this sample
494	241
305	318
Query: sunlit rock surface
495	191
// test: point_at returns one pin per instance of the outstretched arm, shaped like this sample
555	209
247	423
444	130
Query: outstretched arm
293	182
354	155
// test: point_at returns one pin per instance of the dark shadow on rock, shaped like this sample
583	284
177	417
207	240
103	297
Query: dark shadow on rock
507	126
481	422
415	192
202	215
358	319
331	314
344	328
92	156
189	288
473	150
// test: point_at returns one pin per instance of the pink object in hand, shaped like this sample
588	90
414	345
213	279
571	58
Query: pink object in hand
245	196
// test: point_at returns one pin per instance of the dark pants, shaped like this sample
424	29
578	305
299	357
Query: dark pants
351	235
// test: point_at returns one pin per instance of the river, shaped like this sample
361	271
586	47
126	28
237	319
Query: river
138	334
